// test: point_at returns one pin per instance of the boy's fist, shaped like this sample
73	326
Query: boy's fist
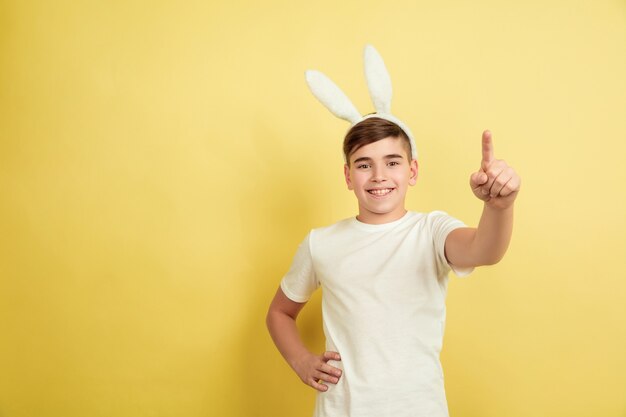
314	370
496	183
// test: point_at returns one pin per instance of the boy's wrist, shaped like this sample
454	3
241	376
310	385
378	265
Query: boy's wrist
297	358
497	205
494	206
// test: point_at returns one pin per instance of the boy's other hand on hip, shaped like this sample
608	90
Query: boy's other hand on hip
314	370
495	183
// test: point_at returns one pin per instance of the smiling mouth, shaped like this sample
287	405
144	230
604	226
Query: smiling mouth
380	191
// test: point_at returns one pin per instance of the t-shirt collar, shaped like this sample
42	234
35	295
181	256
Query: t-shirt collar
378	227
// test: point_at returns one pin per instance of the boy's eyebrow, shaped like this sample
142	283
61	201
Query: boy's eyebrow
393	155
368	159
362	159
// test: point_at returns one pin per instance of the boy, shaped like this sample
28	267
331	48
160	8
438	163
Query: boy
384	278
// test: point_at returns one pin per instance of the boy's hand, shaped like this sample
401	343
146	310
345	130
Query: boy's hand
313	370
496	183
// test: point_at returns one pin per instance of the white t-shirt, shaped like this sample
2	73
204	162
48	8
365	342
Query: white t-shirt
383	309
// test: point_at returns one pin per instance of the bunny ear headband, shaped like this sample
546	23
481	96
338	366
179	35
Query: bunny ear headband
378	84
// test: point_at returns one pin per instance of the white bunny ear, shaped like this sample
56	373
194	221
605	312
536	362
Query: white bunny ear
331	96
378	81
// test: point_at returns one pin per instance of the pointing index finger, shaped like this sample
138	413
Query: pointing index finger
487	147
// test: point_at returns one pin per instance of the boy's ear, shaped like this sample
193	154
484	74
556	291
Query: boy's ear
414	168
346	173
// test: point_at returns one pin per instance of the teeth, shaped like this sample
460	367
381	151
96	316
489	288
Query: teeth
383	191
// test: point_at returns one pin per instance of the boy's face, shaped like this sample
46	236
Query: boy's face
379	174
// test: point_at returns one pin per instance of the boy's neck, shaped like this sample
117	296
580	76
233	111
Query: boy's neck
367	217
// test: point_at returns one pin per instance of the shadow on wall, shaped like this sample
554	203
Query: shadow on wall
269	386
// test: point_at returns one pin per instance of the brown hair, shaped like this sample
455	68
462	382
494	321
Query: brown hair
372	130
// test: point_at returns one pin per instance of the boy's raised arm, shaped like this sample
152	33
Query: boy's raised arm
497	185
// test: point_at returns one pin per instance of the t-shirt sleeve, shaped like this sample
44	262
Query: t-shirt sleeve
442	224
300	282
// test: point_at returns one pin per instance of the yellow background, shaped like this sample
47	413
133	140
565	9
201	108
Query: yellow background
161	161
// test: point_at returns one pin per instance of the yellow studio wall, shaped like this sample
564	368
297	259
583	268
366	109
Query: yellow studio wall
161	161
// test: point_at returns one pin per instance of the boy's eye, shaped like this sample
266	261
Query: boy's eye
394	163
361	166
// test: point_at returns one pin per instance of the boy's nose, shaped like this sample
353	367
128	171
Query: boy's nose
378	175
